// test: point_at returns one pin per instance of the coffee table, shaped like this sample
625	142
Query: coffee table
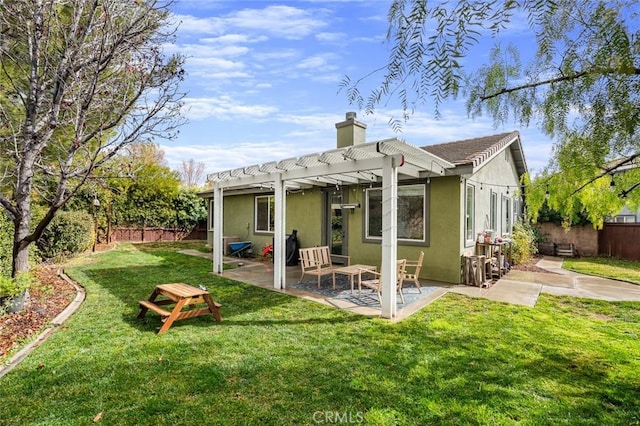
350	271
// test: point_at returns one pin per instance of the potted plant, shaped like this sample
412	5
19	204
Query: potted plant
14	292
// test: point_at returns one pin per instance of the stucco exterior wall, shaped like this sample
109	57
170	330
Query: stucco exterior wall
499	175
441	261
304	213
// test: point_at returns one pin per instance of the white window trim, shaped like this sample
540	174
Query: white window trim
255	216
493	211
210	216
506	228
469	237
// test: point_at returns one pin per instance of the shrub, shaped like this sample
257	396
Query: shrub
524	242
13	286
68	233
6	244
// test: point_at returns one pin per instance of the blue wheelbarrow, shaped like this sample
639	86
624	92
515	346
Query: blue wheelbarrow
239	248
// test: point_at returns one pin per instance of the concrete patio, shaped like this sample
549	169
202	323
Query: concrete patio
517	287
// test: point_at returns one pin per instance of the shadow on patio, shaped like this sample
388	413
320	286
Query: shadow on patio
261	274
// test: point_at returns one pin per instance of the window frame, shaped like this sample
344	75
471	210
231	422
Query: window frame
506	225
270	220
493	211
404	241
469	215
210	215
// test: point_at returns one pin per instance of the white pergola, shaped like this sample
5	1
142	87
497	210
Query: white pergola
379	161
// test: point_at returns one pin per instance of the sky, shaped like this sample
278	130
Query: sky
263	80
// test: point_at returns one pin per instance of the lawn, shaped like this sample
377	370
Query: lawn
280	360
626	270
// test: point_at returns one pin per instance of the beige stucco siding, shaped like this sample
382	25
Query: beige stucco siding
304	213
499	175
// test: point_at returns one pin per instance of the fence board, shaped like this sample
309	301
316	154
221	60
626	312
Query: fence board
157	234
621	240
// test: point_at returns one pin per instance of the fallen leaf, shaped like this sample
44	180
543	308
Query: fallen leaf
98	417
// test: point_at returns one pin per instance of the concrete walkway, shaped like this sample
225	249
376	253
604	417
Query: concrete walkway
516	287
523	288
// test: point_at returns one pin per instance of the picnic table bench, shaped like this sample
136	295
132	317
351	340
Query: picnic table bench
183	296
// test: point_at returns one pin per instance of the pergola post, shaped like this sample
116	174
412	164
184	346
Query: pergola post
218	239
279	255
390	166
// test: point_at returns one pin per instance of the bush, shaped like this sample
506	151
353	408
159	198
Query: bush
6	244
68	233
13	286
524	242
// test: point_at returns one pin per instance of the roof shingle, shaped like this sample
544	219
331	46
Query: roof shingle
471	151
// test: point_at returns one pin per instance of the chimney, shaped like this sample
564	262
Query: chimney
350	131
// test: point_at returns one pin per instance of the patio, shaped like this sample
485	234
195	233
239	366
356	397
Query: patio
260	274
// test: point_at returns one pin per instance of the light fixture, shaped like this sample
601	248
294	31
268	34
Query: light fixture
546	193
95	202
507	190
350	206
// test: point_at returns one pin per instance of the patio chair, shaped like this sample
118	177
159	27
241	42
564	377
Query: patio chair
374	283
417	264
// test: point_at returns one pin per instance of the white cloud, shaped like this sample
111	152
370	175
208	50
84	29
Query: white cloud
225	157
281	21
331	37
223	108
234	39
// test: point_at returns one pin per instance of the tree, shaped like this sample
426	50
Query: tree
582	86
80	80
147	199
191	173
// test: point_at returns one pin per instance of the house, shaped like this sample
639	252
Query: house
376	201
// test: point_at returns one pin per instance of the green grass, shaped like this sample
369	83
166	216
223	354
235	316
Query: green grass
618	269
280	360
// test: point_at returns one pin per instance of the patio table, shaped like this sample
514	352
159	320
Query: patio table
182	295
350	271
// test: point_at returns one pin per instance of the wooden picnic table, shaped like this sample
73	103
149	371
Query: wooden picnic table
183	296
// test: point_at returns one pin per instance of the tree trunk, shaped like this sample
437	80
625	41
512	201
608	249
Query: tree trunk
20	246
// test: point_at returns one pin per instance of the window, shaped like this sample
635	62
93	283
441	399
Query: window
265	213
469	224
624	219
493	212
506	215
411	213
211	215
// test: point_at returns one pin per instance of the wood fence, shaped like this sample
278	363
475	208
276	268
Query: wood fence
621	240
157	234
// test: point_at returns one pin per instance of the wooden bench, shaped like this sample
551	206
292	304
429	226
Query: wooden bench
318	261
565	250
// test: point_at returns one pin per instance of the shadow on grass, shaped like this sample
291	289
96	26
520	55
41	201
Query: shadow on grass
442	367
242	304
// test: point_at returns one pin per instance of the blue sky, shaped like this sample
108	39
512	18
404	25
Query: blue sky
263	80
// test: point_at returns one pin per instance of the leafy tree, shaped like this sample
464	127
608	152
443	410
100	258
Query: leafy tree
191	209
80	80
582	85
